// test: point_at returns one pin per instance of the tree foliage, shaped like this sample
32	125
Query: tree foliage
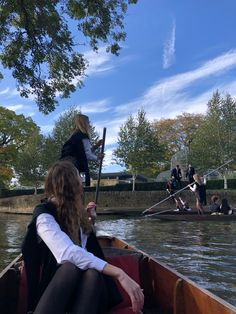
15	132
177	134
29	167
138	148
40	42
215	140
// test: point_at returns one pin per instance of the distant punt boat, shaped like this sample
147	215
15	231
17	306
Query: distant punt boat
192	216
166	291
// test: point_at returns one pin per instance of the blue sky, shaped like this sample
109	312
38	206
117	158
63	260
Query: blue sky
177	53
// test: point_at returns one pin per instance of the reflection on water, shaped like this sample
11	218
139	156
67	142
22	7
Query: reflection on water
203	251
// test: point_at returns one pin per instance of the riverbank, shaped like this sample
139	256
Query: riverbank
114	202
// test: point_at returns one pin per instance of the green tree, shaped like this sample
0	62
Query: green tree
41	42
138	149
29	167
15	131
215	140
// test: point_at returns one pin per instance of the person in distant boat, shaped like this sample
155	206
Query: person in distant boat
225	208
170	188
199	189
185	205
65	267
78	148
189	173
176	175
215	204
181	205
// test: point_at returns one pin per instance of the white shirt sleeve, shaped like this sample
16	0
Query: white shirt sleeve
61	246
88	150
194	187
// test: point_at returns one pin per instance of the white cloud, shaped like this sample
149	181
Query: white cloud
15	107
5	91
98	106
171	94
98	61
169	49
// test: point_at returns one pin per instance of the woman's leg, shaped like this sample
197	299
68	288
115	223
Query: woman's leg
91	295
200	207
57	294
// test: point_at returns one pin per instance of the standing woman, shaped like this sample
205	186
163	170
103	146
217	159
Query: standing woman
78	148
65	268
200	191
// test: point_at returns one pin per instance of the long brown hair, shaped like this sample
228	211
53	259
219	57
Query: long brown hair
197	178
82	124
64	185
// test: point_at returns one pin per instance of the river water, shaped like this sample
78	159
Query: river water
203	251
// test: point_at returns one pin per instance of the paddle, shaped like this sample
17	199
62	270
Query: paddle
187	186
100	166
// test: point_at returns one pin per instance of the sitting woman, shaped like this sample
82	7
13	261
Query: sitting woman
65	267
215	204
224	207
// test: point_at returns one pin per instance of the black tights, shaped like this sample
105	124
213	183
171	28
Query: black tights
75	291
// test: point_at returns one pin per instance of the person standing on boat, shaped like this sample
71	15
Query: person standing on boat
189	173
66	270
177	176
199	189
78	148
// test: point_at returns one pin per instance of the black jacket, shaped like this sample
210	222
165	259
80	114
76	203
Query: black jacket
176	173
73	149
189	174
41	265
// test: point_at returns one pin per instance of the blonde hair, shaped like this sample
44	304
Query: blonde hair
81	122
64	184
197	178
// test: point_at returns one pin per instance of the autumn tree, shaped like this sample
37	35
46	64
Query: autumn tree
137	149
176	134
15	132
42	42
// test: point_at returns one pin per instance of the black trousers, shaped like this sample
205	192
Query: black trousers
74	291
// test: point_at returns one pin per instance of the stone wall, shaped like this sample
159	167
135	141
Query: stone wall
112	200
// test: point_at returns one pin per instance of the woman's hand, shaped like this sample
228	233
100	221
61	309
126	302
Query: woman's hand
101	156
99	143
129	285
133	290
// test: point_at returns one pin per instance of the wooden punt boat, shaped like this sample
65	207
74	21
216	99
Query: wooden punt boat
166	291
193	217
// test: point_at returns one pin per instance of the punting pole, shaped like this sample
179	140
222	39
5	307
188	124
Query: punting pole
100	165
167	198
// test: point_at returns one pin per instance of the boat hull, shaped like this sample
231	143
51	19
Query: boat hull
195	217
166	291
